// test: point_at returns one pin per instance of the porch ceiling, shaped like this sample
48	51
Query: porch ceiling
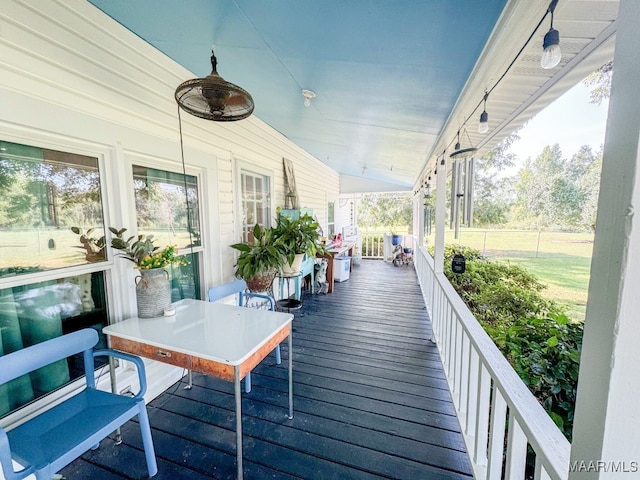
395	79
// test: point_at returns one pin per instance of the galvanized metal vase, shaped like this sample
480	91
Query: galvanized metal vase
153	292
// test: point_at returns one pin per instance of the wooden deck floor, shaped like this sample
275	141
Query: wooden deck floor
371	401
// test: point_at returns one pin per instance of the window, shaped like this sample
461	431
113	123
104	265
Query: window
331	222
256	194
164	211
43	194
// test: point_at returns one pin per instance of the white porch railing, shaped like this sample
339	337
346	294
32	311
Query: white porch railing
491	400
372	245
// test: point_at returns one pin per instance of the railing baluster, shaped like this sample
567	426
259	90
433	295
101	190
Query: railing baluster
473	392
450	339
516	450
465	375
457	363
496	438
482	418
540	473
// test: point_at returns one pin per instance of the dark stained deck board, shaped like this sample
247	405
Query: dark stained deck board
370	398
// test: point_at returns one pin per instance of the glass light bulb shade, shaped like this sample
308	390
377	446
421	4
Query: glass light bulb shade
483	126
551	55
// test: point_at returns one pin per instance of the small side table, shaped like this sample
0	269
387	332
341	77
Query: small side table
286	304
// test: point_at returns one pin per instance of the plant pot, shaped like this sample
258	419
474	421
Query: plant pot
293	268
261	282
153	292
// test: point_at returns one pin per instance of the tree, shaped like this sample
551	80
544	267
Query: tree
537	186
555	193
494	194
601	81
393	211
589	183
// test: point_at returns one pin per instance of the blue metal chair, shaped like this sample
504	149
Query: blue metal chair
239	287
51	440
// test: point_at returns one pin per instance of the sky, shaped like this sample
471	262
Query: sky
571	121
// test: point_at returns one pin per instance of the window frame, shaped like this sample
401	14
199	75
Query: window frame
245	167
136	159
40	139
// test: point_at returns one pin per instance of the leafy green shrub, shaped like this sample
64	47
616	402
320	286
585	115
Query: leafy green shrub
545	352
533	333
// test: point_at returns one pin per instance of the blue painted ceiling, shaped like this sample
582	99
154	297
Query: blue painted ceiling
386	73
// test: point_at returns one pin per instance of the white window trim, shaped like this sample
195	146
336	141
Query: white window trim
149	161
246	166
37	138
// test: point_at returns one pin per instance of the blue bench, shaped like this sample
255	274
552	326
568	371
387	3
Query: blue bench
53	439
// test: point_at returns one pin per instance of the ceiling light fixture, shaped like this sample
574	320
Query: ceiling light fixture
308	95
551	55
483	126
213	98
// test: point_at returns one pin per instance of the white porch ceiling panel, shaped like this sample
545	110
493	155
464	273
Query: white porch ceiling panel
395	79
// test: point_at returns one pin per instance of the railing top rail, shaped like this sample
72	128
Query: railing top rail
542	433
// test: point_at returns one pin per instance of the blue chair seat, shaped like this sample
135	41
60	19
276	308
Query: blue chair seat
54	438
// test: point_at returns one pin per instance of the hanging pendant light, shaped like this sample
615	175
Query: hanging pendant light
551	54
483	126
213	98
460	152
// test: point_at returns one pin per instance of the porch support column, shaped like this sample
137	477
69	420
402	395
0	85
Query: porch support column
441	207
418	215
608	404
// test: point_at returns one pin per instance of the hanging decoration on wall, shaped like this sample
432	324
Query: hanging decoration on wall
291	198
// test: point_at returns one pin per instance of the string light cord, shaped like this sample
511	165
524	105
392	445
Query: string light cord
504	74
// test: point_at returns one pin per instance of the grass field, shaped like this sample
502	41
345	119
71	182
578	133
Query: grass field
49	248
562	261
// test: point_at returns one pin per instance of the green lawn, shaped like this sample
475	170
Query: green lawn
560	260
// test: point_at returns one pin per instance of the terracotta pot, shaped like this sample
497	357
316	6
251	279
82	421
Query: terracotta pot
261	282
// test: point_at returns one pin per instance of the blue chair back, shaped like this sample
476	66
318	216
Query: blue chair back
238	287
227	289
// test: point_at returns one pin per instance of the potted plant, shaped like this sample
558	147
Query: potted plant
295	238
259	259
93	246
153	291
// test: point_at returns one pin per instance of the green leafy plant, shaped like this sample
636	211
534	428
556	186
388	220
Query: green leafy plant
92	245
545	352
142	252
294	237
534	334
259	256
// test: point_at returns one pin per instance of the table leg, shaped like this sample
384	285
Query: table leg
238	398
290	344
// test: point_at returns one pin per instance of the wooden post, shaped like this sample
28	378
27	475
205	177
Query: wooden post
605	433
441	201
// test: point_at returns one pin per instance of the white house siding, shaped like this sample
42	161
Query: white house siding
71	79
70	75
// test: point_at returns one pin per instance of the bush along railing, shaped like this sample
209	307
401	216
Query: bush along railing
504	425
532	332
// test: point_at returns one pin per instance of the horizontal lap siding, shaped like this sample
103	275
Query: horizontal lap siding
69	72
